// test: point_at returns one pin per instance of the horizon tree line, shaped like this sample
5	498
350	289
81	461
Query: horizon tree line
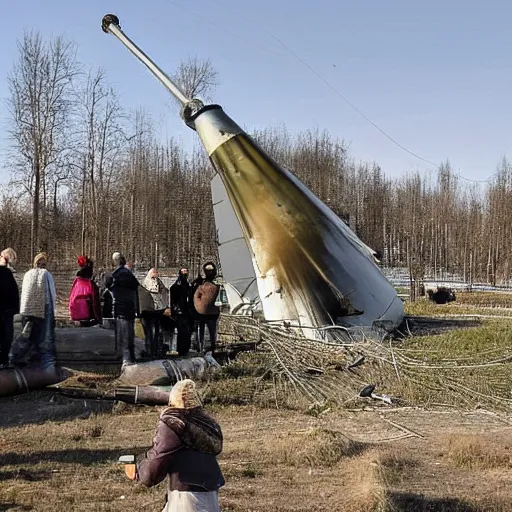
89	178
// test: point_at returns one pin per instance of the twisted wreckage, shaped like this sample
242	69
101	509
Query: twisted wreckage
283	252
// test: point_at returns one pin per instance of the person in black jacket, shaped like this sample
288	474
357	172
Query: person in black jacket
181	310
123	286
9	306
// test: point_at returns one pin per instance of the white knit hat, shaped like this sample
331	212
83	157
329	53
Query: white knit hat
184	395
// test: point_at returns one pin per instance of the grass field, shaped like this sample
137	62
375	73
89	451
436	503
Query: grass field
59	455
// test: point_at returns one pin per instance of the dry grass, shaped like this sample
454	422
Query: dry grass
425	307
312	448
275	459
484	303
478	452
393	466
432	371
486	299
365	487
272	460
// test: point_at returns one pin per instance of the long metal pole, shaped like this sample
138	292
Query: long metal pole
110	24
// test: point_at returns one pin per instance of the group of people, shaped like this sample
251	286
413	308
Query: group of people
187	307
37	308
192	307
187	440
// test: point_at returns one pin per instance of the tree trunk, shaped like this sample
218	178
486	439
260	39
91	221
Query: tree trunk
35	213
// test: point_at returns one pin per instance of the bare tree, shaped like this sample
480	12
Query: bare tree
100	120
196	77
40	106
70	149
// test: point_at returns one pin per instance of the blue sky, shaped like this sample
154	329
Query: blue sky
436	76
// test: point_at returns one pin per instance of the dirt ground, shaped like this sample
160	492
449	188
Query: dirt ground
280	460
58	454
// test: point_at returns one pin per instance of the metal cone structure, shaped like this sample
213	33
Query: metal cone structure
311	270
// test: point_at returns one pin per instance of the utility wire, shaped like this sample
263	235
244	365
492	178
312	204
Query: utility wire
223	29
343	97
316	73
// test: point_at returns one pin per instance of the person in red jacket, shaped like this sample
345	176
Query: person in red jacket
184	449
84	298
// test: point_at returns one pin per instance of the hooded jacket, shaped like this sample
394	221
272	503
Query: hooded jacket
180	293
205	297
185	446
9	293
159	294
84	300
123	286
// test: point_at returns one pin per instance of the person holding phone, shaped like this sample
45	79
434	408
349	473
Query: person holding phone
185	448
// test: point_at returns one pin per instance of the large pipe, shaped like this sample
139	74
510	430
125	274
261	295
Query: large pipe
110	23
142	375
164	372
138	395
19	381
311	269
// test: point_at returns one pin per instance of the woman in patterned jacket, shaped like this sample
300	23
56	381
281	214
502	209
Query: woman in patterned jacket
38	316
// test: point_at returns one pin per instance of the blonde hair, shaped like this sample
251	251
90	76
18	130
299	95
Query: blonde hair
10	255
40	258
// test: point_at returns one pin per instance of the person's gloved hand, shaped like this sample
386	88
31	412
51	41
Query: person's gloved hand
130	471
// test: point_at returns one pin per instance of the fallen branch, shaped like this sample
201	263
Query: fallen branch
402	428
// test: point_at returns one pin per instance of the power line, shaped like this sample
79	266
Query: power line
317	74
343	97
486	180
219	27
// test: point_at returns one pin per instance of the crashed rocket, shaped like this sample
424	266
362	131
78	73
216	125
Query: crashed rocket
281	248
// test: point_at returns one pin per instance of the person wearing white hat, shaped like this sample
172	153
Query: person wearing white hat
186	444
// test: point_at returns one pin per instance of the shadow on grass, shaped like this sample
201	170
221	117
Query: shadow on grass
40	406
23	474
428	326
407	502
78	456
13	507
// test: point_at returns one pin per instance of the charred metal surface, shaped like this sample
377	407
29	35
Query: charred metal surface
282	226
317	270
